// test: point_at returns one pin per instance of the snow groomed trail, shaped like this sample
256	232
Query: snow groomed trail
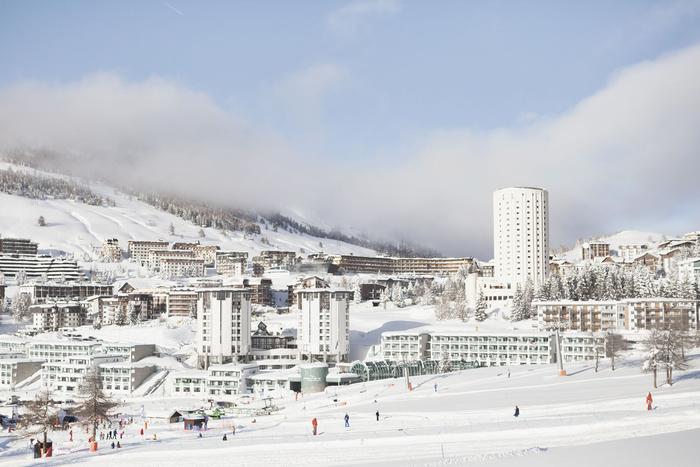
469	420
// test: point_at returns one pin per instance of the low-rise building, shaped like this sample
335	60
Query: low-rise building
55	316
689	270
182	302
590	250
16	370
579	347
124	377
181	267
583	316
40	292
189	382
405	346
66	375
59	350
40	266
494	349
18	246
130	352
274	259
231	263
658	313
230	379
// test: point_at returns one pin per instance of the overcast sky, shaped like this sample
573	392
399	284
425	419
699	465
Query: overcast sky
393	118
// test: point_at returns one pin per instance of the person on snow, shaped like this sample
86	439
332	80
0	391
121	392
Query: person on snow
233	428
225	438
200	435
517	411
508	374
650	401
113	444
119	445
314	425
141	431
435	387
347	421
377	414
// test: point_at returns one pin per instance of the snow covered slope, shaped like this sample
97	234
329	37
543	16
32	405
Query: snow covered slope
626	237
79	228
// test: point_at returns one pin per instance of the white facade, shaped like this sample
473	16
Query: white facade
492	349
59	350
324	332
229	379
223	325
67	375
689	270
521	234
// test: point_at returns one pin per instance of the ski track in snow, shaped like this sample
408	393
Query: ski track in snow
87	225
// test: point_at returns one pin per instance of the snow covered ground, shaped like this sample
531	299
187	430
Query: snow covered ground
79	228
577	420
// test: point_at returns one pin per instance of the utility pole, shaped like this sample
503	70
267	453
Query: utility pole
562	371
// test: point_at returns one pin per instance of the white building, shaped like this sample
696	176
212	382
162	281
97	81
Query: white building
68	374
324	324
139	250
492	349
16	370
40	266
521	234
58	350
55	316
230	379
189	382
223	325
405	346
124	377
579	346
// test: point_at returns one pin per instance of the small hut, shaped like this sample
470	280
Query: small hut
195	421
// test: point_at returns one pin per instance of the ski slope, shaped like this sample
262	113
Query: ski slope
469	420
79	229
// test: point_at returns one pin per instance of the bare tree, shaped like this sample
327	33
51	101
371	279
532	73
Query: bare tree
674	356
94	405
653	346
614	344
40	416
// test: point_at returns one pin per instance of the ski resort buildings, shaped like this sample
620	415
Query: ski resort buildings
628	314
18	246
391	265
223	325
38	266
488	348
323	333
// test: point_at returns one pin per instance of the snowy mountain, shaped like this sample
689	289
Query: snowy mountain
79	228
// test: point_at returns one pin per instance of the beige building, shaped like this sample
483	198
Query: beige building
139	250
111	250
391	265
590	250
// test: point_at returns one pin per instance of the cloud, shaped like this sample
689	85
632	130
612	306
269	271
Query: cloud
354	17
302	92
624	157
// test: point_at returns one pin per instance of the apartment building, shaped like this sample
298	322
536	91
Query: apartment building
111	250
229	379
12	344
586	316
189	382
521	234
223	325
130	352
495	349
59	350
628	314
207	253
66	375
650	313
630	252
123	377
274	259
40	266
139	250
391	265
155	257
405	346
182	302
18	246
590	250
579	347
40	292
55	316
323	333
231	263
181	267
260	290
16	370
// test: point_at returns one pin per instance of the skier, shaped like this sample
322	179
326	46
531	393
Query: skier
141	431
200	435
114	434
650	401
314	425
225	438
508	374
70	434
233	427
377	414
347	421
517	411
118	445
113	444
435	387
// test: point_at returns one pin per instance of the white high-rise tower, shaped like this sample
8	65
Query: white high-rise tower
521	234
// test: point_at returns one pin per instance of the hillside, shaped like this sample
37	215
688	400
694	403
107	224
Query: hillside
79	228
626	237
